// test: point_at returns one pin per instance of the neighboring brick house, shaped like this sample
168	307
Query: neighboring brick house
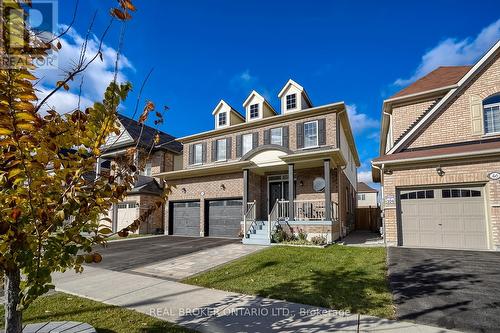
440	159
367	196
241	175
166	155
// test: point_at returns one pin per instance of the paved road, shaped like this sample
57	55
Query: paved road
451	289
139	252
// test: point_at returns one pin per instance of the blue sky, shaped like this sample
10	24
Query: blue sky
204	51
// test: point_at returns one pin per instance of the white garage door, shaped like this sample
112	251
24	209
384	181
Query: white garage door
127	213
444	218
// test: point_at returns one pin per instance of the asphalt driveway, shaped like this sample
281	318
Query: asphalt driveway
450	289
139	252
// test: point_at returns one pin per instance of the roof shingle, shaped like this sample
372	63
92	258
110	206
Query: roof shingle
440	77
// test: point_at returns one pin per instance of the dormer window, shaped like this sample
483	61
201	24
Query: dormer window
222	120
291	101
254	111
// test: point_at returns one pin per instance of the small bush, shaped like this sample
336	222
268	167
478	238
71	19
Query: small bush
318	240
302	235
280	235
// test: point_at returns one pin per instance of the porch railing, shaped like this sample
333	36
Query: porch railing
304	210
249	216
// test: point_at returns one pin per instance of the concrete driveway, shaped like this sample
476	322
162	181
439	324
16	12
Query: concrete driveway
139	252
451	289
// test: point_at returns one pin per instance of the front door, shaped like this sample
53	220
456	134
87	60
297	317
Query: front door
277	191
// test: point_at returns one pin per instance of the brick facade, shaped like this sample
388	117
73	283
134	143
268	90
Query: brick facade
331	129
454	124
210	187
470	173
403	116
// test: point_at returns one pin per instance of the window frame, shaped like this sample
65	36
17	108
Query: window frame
317	134
280	136
362	196
257	116
490	106
147	169
217	159
219	115
287	102
243	136
195	162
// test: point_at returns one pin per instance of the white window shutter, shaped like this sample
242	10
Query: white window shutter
476	108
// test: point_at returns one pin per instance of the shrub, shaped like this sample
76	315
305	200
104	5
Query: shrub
302	235
318	240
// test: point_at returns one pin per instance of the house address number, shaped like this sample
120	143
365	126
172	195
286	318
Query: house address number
494	175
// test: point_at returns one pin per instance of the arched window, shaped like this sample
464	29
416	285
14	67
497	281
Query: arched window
491	109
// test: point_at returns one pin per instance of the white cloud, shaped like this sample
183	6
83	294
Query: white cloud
96	77
246	82
360	121
455	52
365	176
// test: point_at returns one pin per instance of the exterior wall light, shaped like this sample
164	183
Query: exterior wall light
223	187
387	172
183	190
440	171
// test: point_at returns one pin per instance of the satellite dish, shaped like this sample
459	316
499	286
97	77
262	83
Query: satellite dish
319	184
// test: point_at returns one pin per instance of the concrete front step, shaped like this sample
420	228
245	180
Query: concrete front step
256	241
258	235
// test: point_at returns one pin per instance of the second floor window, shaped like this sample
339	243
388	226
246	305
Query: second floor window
311	134
254	111
277	136
198	153
361	196
221	150
147	169
222	119
246	143
491	110
291	101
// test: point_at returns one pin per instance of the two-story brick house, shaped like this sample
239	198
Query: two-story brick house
297	166
156	157
440	159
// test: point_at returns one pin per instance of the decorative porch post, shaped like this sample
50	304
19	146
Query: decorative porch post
291	195
328	196
245	191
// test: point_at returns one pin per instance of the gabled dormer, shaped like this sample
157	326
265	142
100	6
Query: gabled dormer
256	107
225	115
293	97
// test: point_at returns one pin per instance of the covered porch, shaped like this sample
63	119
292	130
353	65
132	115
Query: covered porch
293	193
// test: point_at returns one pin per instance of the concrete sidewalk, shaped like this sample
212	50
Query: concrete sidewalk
208	310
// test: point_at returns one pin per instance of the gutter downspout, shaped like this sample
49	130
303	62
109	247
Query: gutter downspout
382	202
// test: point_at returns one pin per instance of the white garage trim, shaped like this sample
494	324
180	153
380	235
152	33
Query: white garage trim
454	217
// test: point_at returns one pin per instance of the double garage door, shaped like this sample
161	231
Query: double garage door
222	218
452	218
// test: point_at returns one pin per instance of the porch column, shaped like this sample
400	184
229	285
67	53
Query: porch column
291	195
245	190
98	167
328	196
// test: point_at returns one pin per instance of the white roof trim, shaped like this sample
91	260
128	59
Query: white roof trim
290	82
252	94
438	157
410	96
451	93
231	109
299	87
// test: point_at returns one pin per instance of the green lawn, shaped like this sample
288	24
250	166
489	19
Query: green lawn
338	277
105	318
